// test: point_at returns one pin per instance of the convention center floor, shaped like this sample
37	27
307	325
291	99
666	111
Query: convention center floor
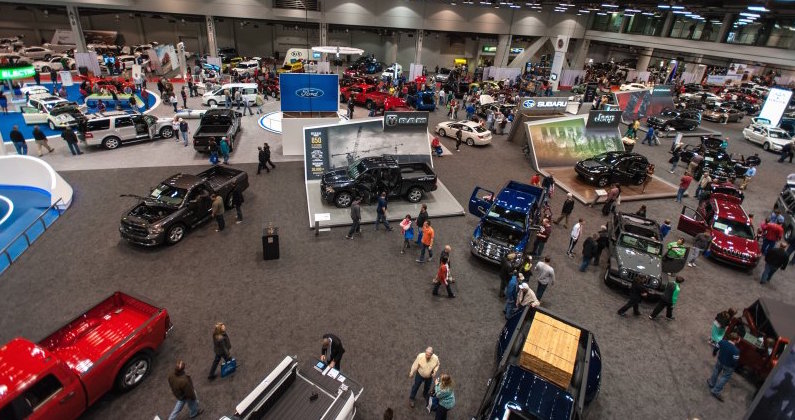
375	299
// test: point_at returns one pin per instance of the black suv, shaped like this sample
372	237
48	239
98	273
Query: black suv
606	168
635	250
673	119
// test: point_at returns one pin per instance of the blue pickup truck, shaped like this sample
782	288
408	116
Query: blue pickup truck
507	219
517	393
422	100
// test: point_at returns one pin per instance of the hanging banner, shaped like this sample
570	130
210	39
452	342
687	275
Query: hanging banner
562	142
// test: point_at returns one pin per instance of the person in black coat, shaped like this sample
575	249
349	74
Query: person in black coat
262	157
331	352
636	293
71	140
267	149
18	139
775	259
566	210
237	201
588	251
506	271
601	243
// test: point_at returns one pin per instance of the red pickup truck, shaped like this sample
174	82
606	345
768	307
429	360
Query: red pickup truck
110	345
365	95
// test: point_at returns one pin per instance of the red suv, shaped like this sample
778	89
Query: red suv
733	237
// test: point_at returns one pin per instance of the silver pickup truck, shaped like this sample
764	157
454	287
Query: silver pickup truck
315	392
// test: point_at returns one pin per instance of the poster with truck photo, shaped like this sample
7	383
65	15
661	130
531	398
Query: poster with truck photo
559	142
639	104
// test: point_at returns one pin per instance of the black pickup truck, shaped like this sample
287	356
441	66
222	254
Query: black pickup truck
216	123
177	204
369	176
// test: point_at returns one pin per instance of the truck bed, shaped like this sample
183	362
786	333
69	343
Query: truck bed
219	176
212	131
82	342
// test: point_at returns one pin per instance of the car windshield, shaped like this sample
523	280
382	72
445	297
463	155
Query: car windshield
734	228
607	158
355	169
515	217
167	194
480	129
641	244
776	134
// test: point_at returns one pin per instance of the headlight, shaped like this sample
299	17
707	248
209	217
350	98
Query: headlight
623	271
654	282
155	229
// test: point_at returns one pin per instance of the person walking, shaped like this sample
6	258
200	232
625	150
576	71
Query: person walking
3	103
541	237
182	387
356	217
237	202
776	259
381	212
684	183
184	94
420	222
259	100
588	251
331	351
70	138
668	300
649	177
238	98
649	137
728	358
665	228
545	276
227	98
172	99
267	148
427	241
183	130
246	106
636	293
676	155
191	85
443	278
18	140
602	243
221	346
749	174
261	160
423	370
224	148
772	232
706	179
407	231
41	140
350	107
700	244
548	184
574	236
565	211
217	211
458	137
444	397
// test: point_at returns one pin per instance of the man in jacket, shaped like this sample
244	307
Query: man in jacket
71	140
261	161
668	299
565	211
602	242
775	259
237	201
506	271
728	357
636	293
772	233
423	370
331	351
541	237
218	211
182	387
700	243
41	140
381	212
588	251
510	293
18	140
428	235
545	275
421	218
458	140
183	130
526	297
356	217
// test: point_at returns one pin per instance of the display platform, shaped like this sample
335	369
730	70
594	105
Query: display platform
567	179
441	203
698	132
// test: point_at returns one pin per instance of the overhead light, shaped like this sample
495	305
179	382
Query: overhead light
648	13
584	11
680	12
566	4
663	6
609	5
632	10
750	15
745	20
677	7
758	9
601	13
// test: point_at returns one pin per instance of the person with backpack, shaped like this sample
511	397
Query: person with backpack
221	346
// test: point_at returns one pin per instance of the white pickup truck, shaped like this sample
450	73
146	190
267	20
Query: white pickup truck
316	392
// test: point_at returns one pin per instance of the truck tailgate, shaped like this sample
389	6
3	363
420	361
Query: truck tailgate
84	341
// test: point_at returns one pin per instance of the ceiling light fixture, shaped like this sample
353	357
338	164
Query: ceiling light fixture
609	5
663	6
750	15
758	9
677	7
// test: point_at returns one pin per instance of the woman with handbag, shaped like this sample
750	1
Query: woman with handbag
443	399
221	346
408	233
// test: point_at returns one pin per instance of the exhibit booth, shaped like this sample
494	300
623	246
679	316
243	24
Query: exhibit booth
641	104
306	100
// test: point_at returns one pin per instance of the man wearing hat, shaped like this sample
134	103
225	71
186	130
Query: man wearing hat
526	297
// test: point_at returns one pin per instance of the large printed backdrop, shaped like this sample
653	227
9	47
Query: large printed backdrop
639	104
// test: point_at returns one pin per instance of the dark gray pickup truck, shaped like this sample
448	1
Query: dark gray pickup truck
179	203
216	123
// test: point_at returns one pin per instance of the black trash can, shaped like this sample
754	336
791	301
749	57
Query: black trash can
270	243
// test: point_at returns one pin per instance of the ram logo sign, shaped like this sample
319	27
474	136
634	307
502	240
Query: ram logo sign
405	120
391	120
309	93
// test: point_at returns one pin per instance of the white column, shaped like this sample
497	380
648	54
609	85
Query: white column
77	28
503	51
212	42
561	44
724	28
323	34
644	58
580	54
391	49
669	22
418	47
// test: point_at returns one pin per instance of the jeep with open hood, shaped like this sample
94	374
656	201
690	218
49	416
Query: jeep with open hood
635	250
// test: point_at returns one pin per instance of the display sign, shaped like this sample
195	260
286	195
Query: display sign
604	119
16	72
489	49
408	120
66	78
316	152
775	105
302	92
562	142
722	80
639	104
544	104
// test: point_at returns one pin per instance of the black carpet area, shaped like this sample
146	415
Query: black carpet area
378	301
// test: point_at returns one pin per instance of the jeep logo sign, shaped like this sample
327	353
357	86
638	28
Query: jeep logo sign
604	119
309	93
544	104
413	120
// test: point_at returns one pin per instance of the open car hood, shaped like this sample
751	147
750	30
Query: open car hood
634	260
486	99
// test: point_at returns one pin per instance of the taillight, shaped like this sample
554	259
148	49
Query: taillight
89	135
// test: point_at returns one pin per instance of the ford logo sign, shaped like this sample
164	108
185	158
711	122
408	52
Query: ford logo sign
309	93
529	103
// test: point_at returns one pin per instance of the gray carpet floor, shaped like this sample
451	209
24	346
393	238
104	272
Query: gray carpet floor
378	301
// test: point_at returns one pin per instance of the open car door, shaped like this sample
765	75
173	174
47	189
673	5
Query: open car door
691	222
480	201
31	115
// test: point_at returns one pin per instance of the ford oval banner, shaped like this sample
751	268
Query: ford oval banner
302	92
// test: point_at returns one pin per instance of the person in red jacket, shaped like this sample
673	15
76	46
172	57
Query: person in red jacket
442	277
771	233
684	183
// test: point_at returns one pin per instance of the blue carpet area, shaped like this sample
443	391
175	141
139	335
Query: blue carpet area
28	204
7	121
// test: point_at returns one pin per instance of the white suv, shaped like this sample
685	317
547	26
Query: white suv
111	129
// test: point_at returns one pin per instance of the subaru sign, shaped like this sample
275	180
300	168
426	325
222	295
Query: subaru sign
302	92
544	105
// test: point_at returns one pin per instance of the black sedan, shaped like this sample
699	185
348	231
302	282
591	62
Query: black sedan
673	119
606	168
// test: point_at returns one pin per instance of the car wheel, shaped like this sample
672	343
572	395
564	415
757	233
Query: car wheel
766	147
175	234
602	181
343	199
45	69
212	102
470	142
166	132
134	372
442	132
111	143
414	195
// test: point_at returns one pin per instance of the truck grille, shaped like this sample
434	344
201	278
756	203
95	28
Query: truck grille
133	229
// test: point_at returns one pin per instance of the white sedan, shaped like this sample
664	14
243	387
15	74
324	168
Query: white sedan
54	63
772	139
37	53
471	132
633	86
711	97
